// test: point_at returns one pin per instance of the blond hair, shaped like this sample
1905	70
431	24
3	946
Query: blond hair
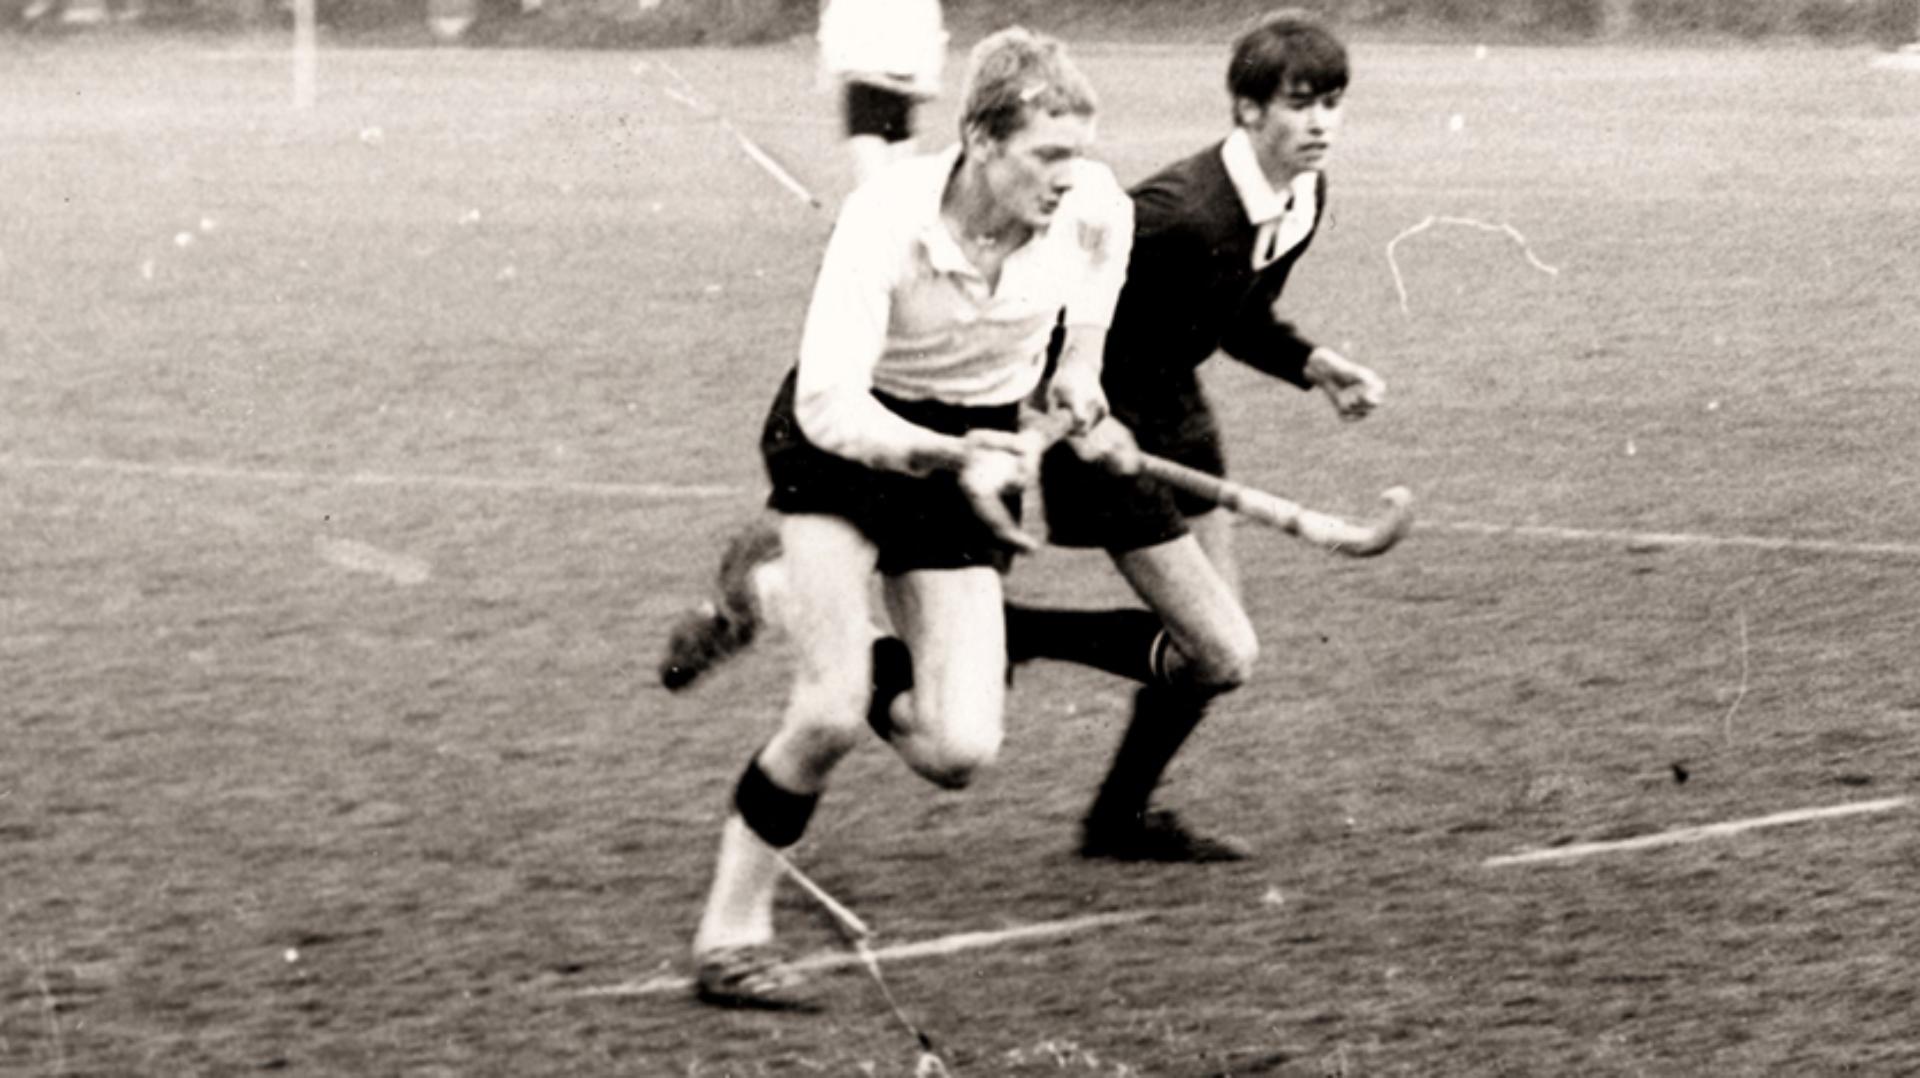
1016	73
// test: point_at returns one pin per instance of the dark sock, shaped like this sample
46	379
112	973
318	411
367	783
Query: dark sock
1130	643
892	675
1163	716
777	815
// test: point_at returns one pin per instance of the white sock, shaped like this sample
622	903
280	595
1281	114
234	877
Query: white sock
739	907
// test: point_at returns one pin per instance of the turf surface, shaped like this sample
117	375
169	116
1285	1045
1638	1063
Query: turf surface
340	535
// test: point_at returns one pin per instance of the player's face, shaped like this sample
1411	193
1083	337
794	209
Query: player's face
1294	132
1031	170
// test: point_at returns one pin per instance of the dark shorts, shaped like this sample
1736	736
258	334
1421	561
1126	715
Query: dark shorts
873	110
1088	506
916	522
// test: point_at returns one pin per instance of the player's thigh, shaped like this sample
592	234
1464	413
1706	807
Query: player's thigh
954	623
1200	607
1214	531
829	567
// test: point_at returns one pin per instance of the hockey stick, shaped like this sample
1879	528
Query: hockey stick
1340	536
1321	529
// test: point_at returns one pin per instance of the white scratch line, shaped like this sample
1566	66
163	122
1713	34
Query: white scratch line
684	93
682	97
1726	721
1525	248
1656	540
1696	834
933	948
772	167
224	473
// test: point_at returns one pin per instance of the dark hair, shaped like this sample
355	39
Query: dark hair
1285	49
1015	73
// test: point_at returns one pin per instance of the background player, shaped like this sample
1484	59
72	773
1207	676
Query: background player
886	56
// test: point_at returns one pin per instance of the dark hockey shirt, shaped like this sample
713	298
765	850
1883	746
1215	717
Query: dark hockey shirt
1192	288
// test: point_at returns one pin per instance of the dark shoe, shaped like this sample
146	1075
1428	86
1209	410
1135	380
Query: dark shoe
753	977
1157	836
726	625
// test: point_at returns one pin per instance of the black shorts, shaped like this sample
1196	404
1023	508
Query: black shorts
916	522
1088	506
875	110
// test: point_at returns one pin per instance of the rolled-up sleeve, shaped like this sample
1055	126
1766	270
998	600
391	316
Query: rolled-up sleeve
845	335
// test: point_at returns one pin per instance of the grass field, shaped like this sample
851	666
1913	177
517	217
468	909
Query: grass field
353	461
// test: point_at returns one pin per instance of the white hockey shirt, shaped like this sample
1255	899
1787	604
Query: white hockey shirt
899	308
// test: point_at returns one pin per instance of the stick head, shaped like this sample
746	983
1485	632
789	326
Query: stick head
1391	526
1361	540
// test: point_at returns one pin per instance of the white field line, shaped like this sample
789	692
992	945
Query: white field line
1657	540
714	491
932	948
1684	835
358	557
287	477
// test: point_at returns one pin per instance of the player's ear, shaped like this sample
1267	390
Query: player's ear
979	143
1247	112
972	139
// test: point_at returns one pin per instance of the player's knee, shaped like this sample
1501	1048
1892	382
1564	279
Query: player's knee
825	720
953	759
1225	665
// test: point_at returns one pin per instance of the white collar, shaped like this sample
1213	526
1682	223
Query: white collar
1257	196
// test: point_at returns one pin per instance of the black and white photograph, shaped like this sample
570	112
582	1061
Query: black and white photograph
960	538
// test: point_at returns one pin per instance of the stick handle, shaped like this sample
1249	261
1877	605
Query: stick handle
1051	426
1320	529
1268	509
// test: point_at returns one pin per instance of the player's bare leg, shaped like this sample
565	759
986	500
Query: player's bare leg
830	564
1198	600
1214	532
951	624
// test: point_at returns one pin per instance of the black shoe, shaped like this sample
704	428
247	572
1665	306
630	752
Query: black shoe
723	627
1156	836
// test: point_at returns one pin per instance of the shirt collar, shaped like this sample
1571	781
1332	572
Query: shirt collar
1257	196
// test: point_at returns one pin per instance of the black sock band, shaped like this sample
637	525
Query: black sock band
892	675
1121	642
776	815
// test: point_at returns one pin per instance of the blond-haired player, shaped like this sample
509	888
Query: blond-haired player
894	446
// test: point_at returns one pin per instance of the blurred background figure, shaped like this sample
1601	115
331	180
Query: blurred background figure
82	12
886	57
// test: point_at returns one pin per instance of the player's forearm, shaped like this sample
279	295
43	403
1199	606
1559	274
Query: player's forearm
860	428
1319	366
1273	348
1083	349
